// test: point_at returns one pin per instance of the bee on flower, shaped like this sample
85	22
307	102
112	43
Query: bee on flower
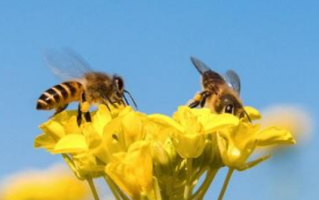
156	156
220	94
83	85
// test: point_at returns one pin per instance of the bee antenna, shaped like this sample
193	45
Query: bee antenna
129	94
248	116
125	99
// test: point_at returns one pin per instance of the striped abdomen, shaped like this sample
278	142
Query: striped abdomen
59	96
212	80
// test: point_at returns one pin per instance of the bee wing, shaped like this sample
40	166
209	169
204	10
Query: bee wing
200	66
233	80
66	64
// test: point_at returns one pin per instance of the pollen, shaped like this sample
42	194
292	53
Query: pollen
197	97
85	106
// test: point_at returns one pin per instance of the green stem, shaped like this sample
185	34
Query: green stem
222	192
199	173
69	161
156	189
170	191
117	191
188	187
111	185
206	184
93	189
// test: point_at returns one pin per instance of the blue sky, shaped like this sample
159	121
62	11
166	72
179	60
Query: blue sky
272	44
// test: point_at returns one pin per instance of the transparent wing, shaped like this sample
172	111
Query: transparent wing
200	66
66	64
233	80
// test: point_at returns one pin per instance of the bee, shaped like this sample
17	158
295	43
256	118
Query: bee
83	85
220	94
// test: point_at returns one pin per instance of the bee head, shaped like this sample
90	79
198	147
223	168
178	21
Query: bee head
118	82
229	103
118	90
118	86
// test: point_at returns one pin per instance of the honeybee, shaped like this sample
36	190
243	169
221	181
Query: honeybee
220	94
82	85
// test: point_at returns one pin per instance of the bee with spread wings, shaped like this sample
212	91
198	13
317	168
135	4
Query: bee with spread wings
82	85
220	94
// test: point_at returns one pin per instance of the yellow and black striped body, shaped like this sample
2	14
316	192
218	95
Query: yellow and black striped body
59	96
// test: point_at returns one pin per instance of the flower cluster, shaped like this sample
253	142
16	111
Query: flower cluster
155	156
48	184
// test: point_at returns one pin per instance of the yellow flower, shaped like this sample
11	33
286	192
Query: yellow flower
163	154
124	130
133	171
189	128
236	144
294	118
54	184
80	146
156	156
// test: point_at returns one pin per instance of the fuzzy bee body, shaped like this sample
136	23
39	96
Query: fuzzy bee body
212	81
86	86
220	95
100	87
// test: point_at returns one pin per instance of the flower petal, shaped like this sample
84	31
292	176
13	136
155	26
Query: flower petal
71	143
132	126
189	146
133	173
165	121
273	135
54	129
64	116
44	141
252	112
217	122
92	137
101	118
71	126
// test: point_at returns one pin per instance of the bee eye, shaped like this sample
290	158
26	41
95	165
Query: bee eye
229	109
119	83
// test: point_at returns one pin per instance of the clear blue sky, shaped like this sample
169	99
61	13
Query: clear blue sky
272	44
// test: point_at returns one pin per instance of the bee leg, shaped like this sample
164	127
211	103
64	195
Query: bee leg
194	104
108	107
85	112
79	117
88	117
200	99
112	102
202	103
123	101
205	94
196	101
